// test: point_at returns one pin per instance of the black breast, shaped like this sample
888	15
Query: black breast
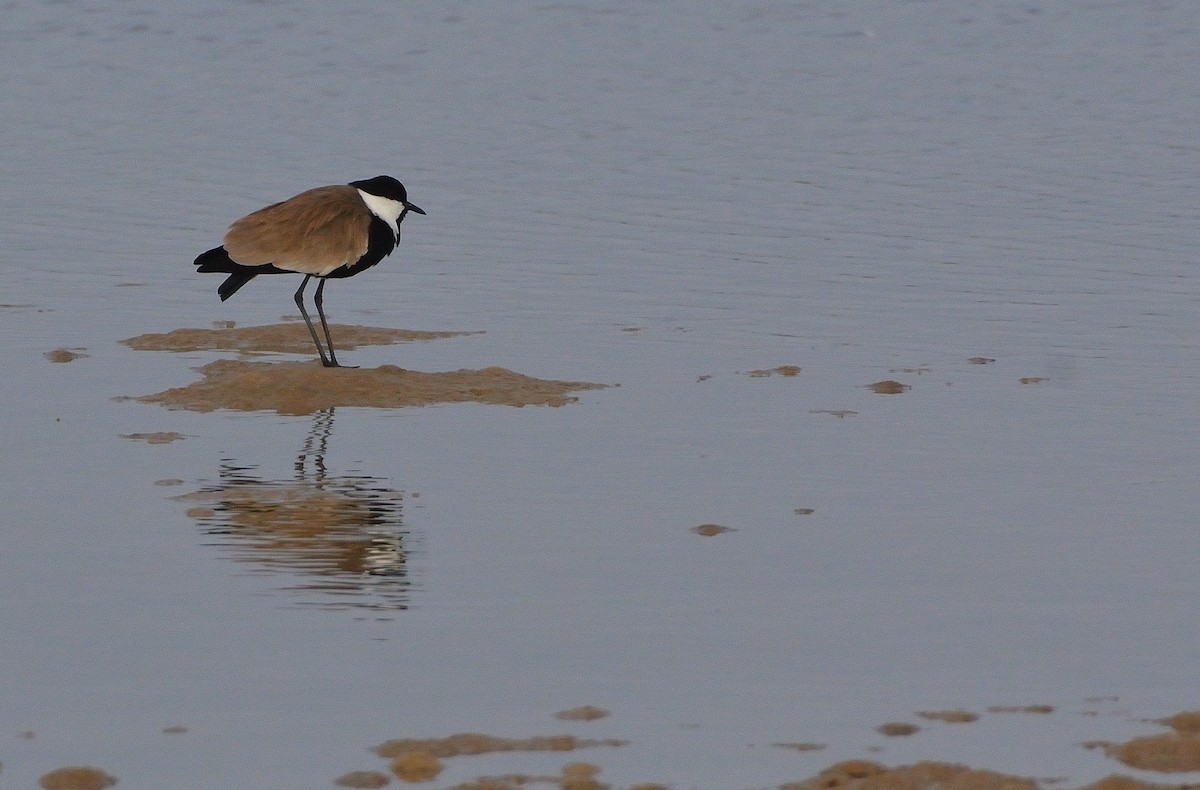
380	243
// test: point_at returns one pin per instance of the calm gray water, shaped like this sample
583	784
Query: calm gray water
876	190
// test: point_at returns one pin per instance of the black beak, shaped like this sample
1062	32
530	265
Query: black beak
414	207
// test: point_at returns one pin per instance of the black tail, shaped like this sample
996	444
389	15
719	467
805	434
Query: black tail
217	260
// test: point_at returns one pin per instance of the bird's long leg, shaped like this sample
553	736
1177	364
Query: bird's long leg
318	300
308	322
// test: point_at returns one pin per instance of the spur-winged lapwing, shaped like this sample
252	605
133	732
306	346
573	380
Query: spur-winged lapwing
325	232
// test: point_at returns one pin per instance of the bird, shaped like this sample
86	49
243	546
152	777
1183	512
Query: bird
326	232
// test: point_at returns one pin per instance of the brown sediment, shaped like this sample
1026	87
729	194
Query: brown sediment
76	777
980	360
888	387
471	743
837	775
580	776
368	780
1032	379
508	782
800	746
894	729
865	775
306	388
782	370
287	338
1186	722
64	354
505	782
1021	709
1170	752
951	716
417	765
708	530
582	713
1116	782
574	776
159	437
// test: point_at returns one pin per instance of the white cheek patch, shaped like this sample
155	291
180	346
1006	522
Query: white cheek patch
386	209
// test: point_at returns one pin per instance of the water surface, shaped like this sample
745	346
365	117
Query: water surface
662	196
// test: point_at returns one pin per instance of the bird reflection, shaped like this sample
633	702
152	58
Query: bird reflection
345	535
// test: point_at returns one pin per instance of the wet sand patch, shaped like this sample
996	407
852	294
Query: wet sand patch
416	766
1021	709
157	437
473	743
928	775
363	779
949	716
800	746
1166	753
422	760
582	713
855	774
888	387
296	388
76	777
1116	782
1169	752
782	370
287	338
61	355
1186	722
709	530
573	776
897	729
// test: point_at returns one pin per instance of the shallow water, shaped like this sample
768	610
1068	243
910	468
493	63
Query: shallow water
665	197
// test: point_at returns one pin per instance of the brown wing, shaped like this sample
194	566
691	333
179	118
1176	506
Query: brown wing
314	232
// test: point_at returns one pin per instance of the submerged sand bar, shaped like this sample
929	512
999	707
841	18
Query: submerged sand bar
306	388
